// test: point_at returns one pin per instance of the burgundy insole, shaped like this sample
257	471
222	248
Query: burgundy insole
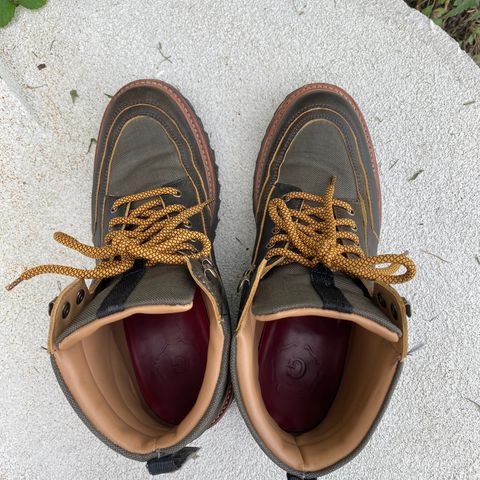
169	357
301	362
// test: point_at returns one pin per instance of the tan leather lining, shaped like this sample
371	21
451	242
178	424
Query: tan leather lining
369	370
370	366
366	323
92	327
96	367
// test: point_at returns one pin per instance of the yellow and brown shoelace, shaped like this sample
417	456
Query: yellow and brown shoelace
311	235
153	232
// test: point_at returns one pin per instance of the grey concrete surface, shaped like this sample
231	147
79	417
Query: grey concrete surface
236	61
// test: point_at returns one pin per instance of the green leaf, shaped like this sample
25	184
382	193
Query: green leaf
7	11
474	16
466	4
439	12
460	7
428	11
74	95
32	4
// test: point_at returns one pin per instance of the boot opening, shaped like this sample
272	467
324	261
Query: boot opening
144	378
313	386
169	356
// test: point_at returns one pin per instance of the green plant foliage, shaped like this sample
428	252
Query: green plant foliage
8	7
459	18
7	11
32	4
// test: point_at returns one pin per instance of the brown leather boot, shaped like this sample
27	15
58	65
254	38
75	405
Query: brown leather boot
142	353
321	336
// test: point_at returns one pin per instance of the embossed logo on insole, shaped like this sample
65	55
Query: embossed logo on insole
180	364
296	368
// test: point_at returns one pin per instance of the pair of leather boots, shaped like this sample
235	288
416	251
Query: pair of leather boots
148	356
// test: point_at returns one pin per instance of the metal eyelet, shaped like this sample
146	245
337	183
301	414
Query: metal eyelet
113	209
381	300
80	296
393	309
408	307
209	268
51	305
275	231
187	224
286	198
351	212
66	310
245	278
177	194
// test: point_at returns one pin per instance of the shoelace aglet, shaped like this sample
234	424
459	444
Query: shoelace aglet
13	284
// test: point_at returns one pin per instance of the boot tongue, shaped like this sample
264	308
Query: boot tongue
161	285
291	287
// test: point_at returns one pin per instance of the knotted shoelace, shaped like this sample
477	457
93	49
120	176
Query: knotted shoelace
153	232
311	235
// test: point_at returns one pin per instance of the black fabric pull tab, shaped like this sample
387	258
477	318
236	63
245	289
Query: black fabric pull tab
332	297
170	463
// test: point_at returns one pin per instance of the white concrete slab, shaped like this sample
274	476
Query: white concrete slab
236	61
